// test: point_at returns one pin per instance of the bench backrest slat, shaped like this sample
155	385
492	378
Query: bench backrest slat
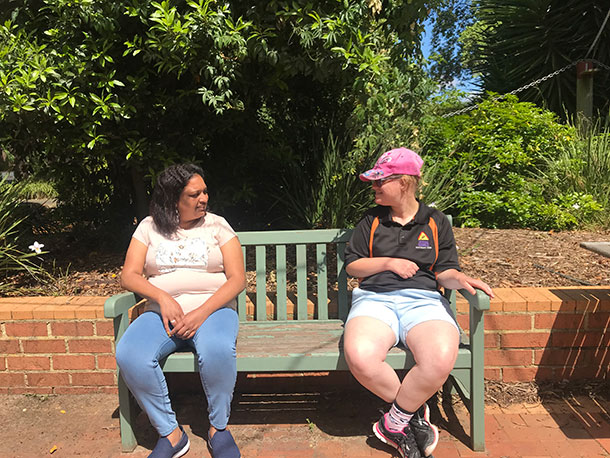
322	281
241	297
261	282
280	276
301	267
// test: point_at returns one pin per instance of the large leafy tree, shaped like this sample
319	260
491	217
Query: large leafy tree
101	94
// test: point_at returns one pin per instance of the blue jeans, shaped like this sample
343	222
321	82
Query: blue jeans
145	343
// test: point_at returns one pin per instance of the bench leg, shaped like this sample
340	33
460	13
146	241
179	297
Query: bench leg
477	421
477	383
126	417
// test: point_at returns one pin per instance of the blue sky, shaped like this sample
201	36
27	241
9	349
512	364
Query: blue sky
427	37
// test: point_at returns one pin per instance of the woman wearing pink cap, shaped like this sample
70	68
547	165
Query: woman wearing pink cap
403	251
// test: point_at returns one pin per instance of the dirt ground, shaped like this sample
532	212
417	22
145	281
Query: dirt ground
73	425
501	257
296	410
298	419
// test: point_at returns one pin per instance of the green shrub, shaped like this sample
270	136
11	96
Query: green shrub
37	189
527	209
494	154
440	185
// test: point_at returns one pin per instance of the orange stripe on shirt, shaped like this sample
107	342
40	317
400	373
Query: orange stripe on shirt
432	224
373	228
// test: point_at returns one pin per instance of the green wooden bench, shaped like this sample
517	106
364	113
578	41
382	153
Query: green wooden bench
298	326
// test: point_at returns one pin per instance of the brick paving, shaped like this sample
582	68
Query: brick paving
293	425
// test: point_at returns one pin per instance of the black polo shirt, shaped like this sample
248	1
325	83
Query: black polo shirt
413	241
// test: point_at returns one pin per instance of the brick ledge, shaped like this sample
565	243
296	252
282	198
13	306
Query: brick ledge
52	307
531	299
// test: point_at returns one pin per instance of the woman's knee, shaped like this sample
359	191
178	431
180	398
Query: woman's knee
143	340
123	356
362	357
366	343
216	352
128	364
216	339
439	367
129	360
434	345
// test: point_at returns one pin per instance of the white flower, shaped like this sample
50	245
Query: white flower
36	247
432	205
575	206
497	166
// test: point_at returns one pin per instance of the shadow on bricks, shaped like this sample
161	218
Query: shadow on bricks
577	349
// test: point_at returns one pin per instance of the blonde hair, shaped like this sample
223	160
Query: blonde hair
410	181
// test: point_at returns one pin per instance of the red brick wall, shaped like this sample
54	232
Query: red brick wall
56	345
546	333
65	345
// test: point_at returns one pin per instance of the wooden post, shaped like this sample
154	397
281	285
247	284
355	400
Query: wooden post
584	89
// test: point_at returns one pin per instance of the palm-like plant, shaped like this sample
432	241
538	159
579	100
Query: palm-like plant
516	42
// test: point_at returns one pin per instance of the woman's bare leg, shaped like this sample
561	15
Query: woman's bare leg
434	345
366	343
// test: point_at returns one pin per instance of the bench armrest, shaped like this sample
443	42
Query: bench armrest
118	304
479	301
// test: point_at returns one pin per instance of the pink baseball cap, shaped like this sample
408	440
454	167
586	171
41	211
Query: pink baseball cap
399	161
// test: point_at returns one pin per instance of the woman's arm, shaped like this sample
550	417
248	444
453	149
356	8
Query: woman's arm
233	262
454	279
365	267
132	279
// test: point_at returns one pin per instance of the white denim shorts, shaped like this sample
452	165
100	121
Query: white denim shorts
401	309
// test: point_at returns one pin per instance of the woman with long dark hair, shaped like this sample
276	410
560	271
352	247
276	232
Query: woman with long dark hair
188	264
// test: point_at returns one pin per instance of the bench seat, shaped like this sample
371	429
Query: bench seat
295	346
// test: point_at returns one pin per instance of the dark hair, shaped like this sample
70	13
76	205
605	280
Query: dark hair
169	186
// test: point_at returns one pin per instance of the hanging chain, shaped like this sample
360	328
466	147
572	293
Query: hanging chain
602	65
527	86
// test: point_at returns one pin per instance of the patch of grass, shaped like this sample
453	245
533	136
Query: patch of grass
39	397
311	425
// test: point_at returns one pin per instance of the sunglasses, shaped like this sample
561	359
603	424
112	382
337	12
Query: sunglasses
381	181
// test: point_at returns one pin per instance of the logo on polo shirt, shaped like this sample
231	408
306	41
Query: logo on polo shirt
423	242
